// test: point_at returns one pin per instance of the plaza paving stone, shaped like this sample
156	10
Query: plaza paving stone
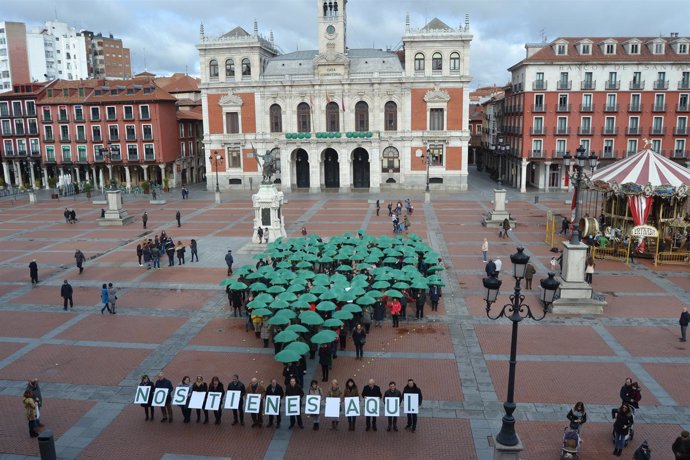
178	319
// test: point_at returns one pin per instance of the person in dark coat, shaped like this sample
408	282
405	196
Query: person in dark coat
170	251
684	321
490	268
392	392
681	446
80	259
359	338
202	387
144	219
66	214
274	389
186	411
435	295
236	385
419	303
193	249
33	272
630	393
35	390
379	312
145	382
412	387
140	253
378	206
66	293
177	218
621	428
216	386
163	382
325	361
371	391
643	452
293	389
72	216
229	260
290	371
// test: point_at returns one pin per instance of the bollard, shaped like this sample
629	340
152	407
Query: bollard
46	445
536	199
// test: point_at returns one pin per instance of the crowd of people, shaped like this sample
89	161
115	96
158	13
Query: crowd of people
401	221
150	251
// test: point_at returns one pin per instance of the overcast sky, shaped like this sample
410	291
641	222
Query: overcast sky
162	34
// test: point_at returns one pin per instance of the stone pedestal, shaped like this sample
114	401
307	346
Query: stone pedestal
217	197
502	452
32	197
576	295
115	214
267	203
427	197
495	218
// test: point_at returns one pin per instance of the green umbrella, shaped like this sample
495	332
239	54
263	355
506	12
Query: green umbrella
266	270
381	285
366	300
390	260
436	283
279	303
285	336
300	304
321	281
263	297
308	297
226	282
419	283
333	322
319	289
325	306
279	279
351	308
297	328
385	276
347	296
244	270
305	274
393	293
278	321
284	264
410	260
364	265
342	314
358	291
325	260
287	296
310	318
303	264
325	336
256	304
329	295
238	286
255	276
371	259
435	268
261	311
375	293
286	313
401	285
339	277
275	290
298	347
344	268
287	356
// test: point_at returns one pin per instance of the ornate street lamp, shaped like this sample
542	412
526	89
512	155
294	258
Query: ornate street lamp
582	160
515	311
216	158
107	152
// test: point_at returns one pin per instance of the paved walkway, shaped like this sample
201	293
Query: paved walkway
175	319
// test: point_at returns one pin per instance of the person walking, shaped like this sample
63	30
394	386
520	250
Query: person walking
274	389
378	206
684	321
156	255
216	386
351	391
335	392
146	382
359	338
621	428
577	416
420	300
434	296
392	392
315	390
379	312
35	390
260	234
490	268
202	387
33	272
144	219
66	214
293	389
681	446
564	226
148	255
256	388
186	411
112	297
140	253
589	270
166	409
178	216
193	249
498	264
506	227
485	250
530	271
236	385
104	298
303	231
80	259
266	235
30	412
371	391
180	250
229	260
412	388
390	208
395	312
170	251
643	452
66	294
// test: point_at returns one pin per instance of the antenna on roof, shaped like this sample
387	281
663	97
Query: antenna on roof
256	27
467	22
542	34
145	68
201	30
407	21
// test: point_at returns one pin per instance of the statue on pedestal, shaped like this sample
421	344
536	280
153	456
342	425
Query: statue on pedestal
268	166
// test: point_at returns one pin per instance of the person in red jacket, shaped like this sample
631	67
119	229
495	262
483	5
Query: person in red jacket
395	311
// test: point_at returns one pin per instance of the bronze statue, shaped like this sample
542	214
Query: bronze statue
268	166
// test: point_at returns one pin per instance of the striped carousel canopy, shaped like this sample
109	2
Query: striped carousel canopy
645	167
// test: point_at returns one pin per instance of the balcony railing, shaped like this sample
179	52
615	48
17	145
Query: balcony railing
563	131
612	84
681	131
47	138
97	138
133	157
79	118
611	108
588	84
82	158
536	154
111	117
128	116
539	84
114	138
81	138
657	130
637	84
95	117
46	118
131	137
63	118
588	131
680	154
635	108
682	108
35	151
50	158
587	108
609	130
64	138
21	152
98	157
33	130
538	131
659	108
144	116
684	84
31	112
661	84
9	152
609	153
630	131
538	108
563	108
563	84
148	137
149	157
66	158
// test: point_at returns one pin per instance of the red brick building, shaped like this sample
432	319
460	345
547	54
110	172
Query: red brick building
608	94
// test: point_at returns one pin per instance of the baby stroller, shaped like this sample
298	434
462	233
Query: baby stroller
631	432
571	442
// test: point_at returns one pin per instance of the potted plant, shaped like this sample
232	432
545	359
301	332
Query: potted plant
146	187
37	184
2	183
52	183
165	185
87	189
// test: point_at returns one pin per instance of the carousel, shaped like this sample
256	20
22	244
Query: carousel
641	207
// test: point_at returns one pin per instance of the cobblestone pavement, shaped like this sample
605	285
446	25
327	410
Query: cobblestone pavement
176	319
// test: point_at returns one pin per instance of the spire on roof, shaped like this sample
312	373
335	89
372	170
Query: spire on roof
467	22
201	30
407	21
271	37
256	27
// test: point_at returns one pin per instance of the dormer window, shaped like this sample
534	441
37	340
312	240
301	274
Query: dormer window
610	48
634	48
585	48
682	48
561	49
658	48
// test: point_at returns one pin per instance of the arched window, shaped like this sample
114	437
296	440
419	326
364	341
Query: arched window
229	68
391	116
332	117
246	68
419	62
390	160
361	116
436	62
303	118
455	62
213	69
276	115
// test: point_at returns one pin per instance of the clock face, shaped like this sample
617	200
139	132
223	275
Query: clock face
330	30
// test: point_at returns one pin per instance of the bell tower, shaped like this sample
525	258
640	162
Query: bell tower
332	26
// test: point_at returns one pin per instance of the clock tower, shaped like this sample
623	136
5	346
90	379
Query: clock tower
332	26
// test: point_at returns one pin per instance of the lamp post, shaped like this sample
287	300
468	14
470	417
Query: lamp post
515	311
107	153
581	161
426	156
216	158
